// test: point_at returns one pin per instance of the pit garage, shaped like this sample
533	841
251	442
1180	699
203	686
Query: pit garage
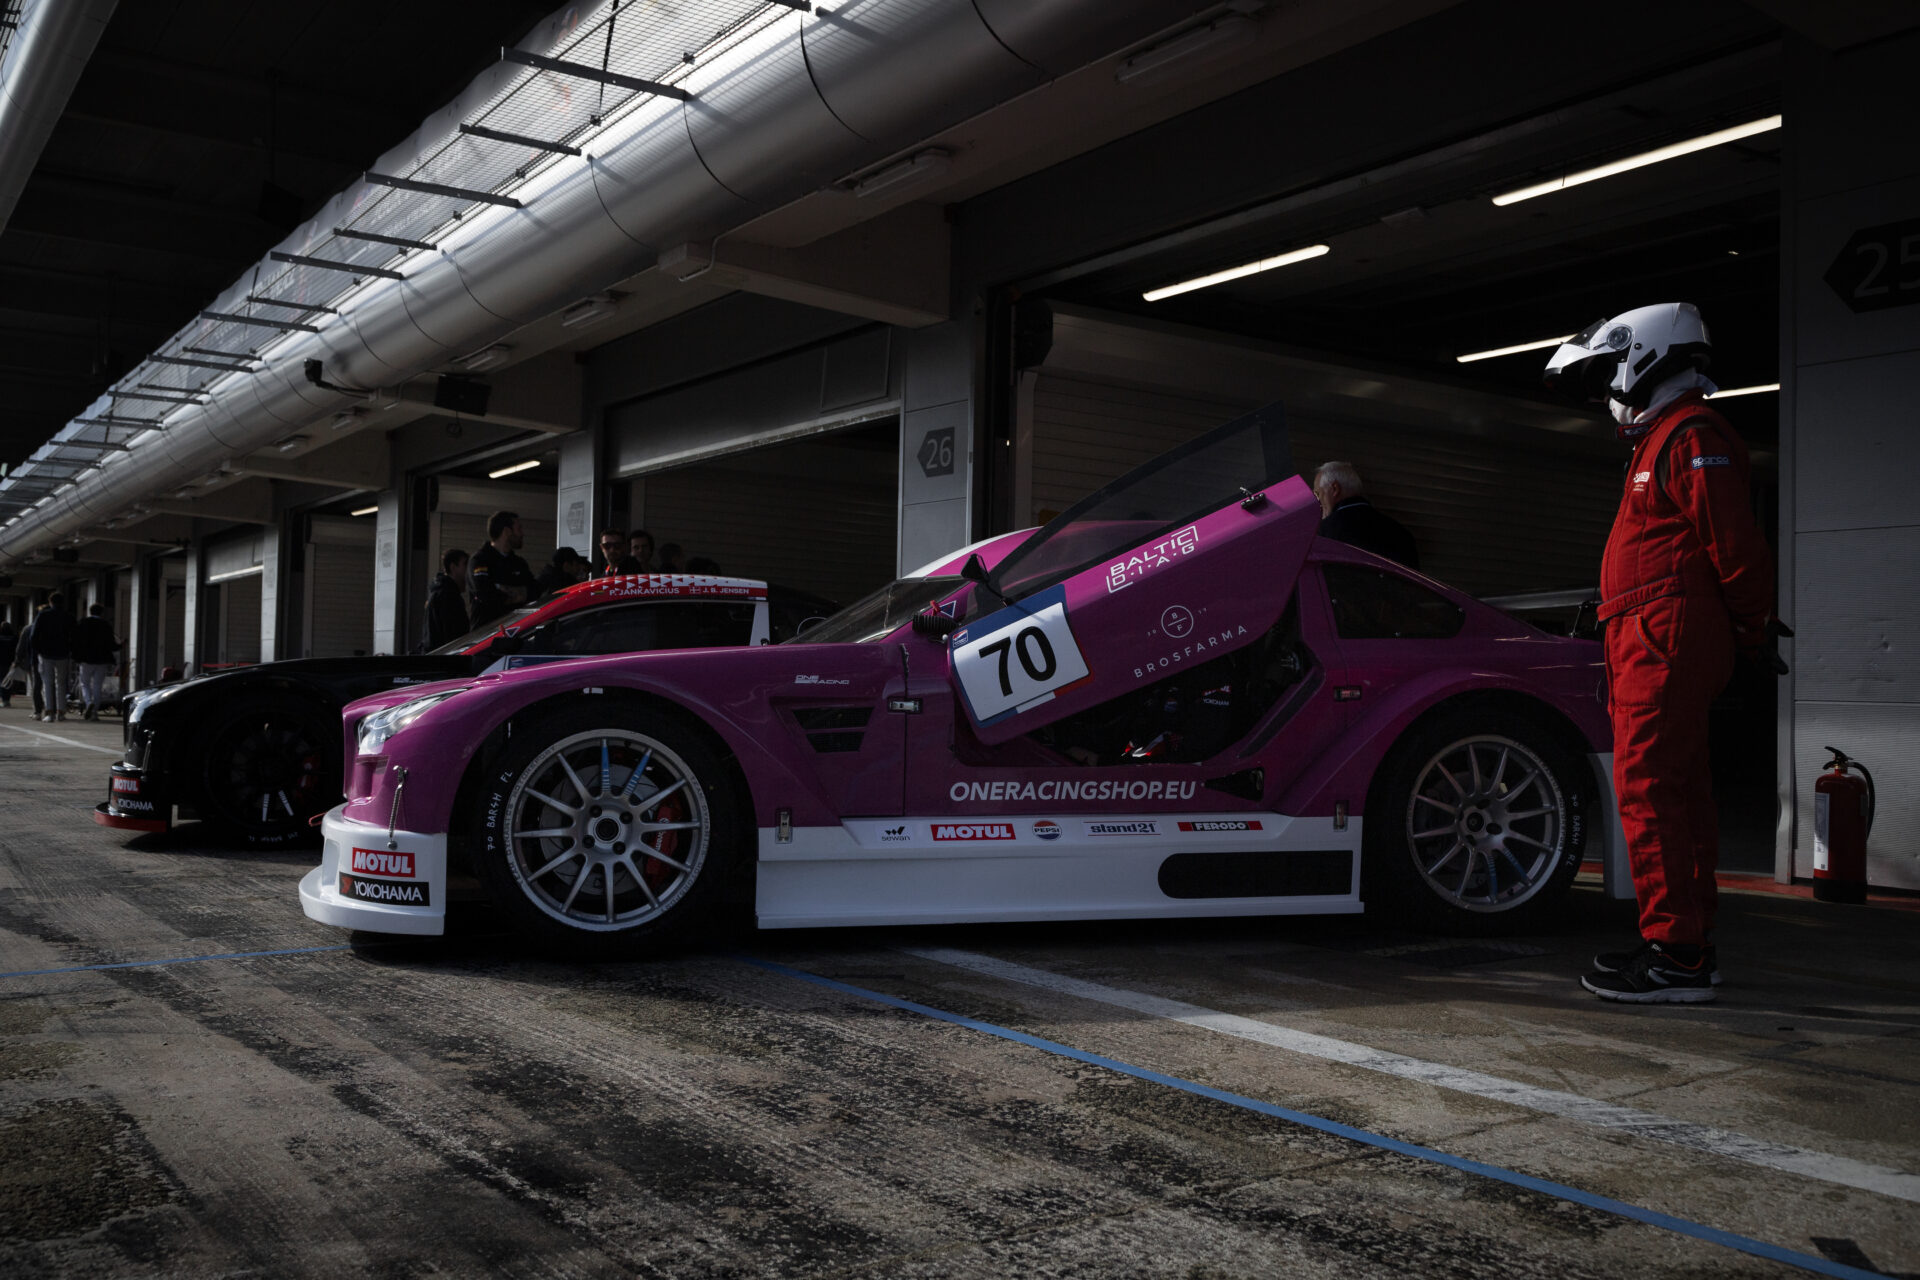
830	321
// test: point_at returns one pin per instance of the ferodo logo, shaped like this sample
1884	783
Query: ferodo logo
973	831
380	862
1222	824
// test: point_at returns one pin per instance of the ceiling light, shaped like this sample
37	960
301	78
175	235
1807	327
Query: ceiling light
1194	45
1515	350
366	511
589	311
347	417
1234	273
485	358
291	443
920	167
528	465
1745	391
1688	147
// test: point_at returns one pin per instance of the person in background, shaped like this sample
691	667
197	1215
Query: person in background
23	658
53	655
9	645
1347	516
701	564
564	570
672	559
446	606
498	577
94	645
614	557
640	546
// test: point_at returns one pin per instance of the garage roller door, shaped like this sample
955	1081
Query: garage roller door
339	603
1489	516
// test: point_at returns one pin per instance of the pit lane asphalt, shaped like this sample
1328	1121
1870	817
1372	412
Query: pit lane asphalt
458	1105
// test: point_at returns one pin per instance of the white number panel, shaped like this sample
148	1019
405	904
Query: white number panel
1017	658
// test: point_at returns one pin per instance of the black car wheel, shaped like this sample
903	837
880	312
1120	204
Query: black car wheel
1475	824
269	771
602	838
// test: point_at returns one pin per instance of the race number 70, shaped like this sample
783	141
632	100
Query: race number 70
1019	663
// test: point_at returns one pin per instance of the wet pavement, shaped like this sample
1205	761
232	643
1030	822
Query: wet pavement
1053	1100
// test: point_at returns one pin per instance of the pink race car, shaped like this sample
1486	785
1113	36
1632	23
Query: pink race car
1173	700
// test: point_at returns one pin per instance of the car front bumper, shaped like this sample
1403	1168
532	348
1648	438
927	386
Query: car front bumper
134	802
380	883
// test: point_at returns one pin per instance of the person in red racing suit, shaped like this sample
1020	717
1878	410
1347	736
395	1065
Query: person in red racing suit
1686	582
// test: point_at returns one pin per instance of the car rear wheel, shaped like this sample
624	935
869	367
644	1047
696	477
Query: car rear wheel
605	839
269	771
1475	824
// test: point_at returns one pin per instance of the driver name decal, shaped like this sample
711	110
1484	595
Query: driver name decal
1130	569
380	862
1071	789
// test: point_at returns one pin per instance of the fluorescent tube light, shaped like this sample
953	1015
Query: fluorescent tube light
1190	48
1235	273
485	358
589	311
1688	147
528	465
1514	350
367	511
1759	390
920	167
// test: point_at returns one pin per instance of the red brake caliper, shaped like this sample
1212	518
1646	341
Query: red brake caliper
658	873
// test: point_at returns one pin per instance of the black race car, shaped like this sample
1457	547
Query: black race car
256	750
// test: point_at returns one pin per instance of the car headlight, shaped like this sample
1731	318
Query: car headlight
381	725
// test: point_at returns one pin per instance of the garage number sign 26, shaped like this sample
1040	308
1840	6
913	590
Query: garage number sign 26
936	452
1018	658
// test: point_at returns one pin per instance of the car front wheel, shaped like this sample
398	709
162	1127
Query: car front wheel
1475	824
270	771
604	839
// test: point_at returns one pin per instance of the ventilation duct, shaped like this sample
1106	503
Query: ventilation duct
777	105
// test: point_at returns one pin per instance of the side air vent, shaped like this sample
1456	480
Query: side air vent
1262	874
833	728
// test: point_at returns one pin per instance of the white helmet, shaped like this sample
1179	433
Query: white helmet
1627	357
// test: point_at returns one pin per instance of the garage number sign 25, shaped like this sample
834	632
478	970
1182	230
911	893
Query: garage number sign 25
1018	658
1879	267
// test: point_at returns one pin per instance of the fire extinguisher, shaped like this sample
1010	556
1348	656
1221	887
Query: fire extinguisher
1842	819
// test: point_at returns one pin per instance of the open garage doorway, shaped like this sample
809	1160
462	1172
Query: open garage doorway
819	514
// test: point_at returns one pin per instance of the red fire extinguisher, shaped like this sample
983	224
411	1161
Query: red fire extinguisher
1842	817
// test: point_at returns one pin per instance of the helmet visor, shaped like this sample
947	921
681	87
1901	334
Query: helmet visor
1579	372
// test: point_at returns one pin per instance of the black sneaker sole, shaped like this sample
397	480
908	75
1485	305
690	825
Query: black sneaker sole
1660	995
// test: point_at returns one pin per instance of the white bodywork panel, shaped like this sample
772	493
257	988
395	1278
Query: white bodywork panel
949	870
1617	872
423	858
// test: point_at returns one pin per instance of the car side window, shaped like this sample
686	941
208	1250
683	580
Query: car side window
1378	604
652	624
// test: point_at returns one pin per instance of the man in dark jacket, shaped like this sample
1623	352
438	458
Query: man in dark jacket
94	645
9	645
1346	516
446	602
566	569
501	580
53	655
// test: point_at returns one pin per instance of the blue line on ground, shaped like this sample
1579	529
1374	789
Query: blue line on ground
1605	1204
143	964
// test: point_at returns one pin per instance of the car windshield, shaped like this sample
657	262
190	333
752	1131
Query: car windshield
1157	497
880	614
485	629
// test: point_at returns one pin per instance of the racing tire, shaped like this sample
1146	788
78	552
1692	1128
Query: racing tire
269	771
1475	825
604	834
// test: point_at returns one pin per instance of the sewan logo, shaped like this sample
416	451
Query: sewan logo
973	831
1046	829
895	835
380	862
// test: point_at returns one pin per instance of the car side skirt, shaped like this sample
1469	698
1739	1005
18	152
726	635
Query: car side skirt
1616	873
947	870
